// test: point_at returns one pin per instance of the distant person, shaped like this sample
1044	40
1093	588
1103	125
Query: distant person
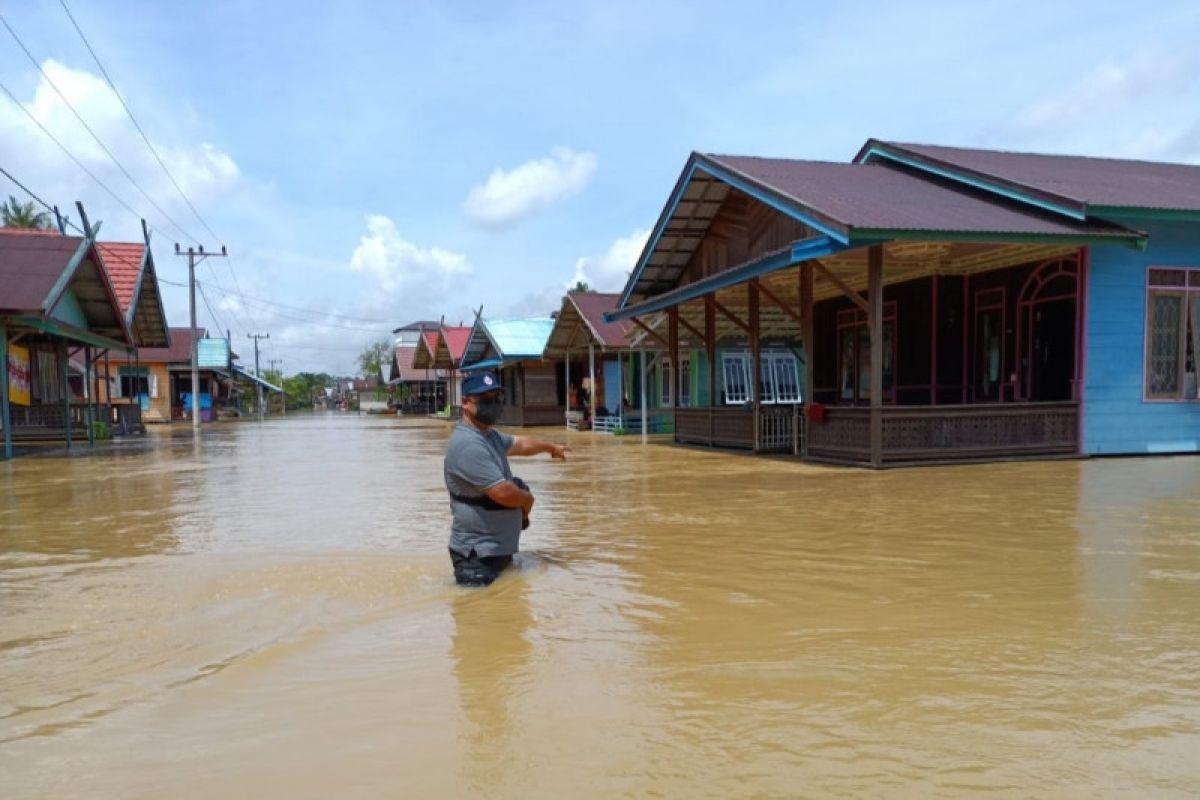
490	507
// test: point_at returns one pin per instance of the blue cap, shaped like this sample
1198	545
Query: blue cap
480	383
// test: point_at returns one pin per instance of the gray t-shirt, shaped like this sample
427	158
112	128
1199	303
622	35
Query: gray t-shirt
477	461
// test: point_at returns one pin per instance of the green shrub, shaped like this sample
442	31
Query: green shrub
100	430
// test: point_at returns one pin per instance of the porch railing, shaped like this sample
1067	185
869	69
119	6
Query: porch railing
780	428
913	434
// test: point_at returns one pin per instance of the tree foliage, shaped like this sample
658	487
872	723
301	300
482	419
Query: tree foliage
373	359
14	214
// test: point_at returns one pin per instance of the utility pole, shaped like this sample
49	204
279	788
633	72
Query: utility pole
257	374
282	394
194	257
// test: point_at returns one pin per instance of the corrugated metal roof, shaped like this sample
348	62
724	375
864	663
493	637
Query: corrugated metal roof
403	369
508	339
1080	180
875	196
581	321
456	340
31	262
520	338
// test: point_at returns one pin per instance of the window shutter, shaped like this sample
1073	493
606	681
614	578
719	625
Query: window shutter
153	385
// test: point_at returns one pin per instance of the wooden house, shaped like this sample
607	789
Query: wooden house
56	302
514	348
598	371
926	304
417	389
158	381
440	351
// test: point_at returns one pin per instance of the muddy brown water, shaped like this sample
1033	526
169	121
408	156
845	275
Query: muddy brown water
269	613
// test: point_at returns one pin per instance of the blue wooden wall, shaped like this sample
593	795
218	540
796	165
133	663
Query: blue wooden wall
1116	418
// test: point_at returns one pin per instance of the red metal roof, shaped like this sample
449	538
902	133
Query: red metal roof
456	339
1079	180
123	261
878	197
592	306
31	262
431	338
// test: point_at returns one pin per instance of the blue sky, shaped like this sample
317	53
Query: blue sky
374	163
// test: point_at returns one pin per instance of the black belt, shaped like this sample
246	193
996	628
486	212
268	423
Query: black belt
483	501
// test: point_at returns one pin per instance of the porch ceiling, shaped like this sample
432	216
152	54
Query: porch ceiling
903	261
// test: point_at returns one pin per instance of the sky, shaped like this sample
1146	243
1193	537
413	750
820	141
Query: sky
367	165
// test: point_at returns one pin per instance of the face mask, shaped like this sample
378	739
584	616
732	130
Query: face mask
488	411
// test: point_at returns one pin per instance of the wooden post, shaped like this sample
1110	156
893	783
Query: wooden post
966	290
642	384
673	344
592	383
87	394
807	328
567	385
875	323
5	412
66	375
755	357
710	345
933	342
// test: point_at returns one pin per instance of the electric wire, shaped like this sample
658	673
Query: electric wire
150	146
212	314
136	124
92	133
39	200
68	153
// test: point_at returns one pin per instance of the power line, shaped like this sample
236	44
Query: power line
69	154
256	300
42	202
93	134
212	314
153	150
137	125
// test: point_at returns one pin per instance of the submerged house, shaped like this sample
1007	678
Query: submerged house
418	389
514	349
928	304
57	303
158	381
439	352
596	358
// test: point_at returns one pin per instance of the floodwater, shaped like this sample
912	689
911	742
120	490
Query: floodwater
269	612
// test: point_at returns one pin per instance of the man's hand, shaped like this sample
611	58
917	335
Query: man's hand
529	446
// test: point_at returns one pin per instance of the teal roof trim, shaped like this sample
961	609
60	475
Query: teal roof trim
995	187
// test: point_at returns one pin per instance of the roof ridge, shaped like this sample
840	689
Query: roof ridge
1005	151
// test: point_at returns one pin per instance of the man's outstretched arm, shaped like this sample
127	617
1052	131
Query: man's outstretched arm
529	446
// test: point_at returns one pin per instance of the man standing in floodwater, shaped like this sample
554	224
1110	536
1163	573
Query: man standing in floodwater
490	507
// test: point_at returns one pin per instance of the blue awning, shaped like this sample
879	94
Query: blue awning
250	376
487	363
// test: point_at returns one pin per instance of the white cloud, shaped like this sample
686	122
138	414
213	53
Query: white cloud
1107	88
609	272
204	172
602	273
402	267
511	196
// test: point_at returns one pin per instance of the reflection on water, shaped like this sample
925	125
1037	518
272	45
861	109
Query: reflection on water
270	612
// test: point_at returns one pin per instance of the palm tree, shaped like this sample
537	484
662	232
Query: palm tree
23	215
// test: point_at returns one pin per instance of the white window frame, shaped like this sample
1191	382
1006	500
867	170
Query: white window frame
786	360
1189	293
771	388
736	392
